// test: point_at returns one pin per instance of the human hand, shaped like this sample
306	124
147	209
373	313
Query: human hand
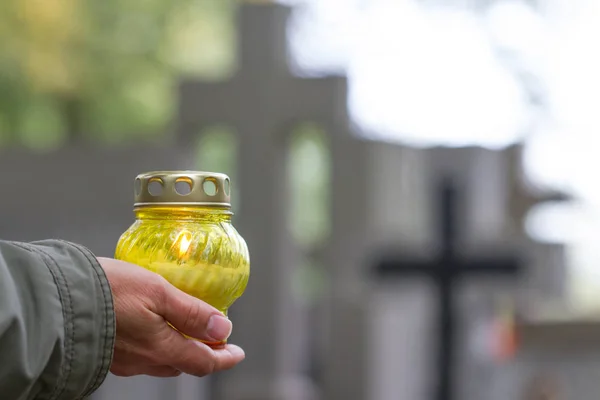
146	345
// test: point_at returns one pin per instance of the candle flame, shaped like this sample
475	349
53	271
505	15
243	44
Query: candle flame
185	241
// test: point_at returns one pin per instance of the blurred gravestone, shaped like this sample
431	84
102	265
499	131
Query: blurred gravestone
481	171
446	271
500	202
263	102
495	205
366	211
378	199
411	331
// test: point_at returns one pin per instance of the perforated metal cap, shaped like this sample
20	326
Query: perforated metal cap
182	188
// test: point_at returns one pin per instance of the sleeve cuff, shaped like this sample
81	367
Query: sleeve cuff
90	323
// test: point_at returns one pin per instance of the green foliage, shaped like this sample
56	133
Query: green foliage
104	68
309	173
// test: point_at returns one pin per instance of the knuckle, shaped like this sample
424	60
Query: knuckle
159	286
194	320
157	290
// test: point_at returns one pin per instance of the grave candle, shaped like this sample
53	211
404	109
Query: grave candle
183	232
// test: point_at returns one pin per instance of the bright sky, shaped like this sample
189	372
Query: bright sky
433	77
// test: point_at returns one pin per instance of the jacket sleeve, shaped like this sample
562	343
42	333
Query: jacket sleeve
57	322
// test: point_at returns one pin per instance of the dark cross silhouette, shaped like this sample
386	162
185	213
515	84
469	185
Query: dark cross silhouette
445	270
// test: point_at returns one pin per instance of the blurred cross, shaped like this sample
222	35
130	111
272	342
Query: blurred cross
445	271
263	95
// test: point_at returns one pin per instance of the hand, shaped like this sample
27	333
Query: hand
146	345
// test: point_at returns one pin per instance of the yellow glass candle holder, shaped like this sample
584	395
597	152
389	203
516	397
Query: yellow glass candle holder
183	232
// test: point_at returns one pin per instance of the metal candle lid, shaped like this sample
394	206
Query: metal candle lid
182	188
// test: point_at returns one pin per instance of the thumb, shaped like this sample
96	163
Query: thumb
192	316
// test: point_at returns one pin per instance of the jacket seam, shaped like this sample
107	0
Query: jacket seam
108	345
70	325
67	311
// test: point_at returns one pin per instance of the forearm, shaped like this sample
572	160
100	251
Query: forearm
57	322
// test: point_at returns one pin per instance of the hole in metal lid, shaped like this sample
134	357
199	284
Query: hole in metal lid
183	186
227	187
155	187
138	186
210	186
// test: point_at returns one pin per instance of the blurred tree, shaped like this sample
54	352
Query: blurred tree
104	68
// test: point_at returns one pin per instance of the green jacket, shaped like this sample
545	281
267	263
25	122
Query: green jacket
57	323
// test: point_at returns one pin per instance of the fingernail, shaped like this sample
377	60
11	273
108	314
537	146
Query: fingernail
219	328
237	351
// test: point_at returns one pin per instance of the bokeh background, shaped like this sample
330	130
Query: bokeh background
81	76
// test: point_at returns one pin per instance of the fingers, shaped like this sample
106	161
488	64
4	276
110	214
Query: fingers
196	358
169	354
146	344
191	316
